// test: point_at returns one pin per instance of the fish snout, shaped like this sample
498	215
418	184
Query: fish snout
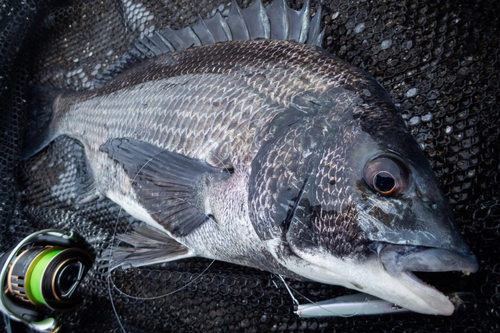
435	222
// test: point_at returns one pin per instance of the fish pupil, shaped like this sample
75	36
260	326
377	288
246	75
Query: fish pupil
384	182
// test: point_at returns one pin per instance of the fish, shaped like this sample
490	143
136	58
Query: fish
240	139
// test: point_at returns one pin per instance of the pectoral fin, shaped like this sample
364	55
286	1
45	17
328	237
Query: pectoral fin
172	187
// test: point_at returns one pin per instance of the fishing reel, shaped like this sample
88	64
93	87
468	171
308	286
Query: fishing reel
43	271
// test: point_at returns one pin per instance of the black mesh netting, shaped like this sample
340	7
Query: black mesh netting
438	60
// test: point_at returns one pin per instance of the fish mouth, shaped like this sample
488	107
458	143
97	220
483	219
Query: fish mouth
401	262
388	274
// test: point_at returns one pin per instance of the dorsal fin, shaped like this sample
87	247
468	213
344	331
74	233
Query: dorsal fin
237	23
315	35
276	21
257	21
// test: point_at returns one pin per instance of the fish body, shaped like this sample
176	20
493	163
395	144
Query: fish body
266	153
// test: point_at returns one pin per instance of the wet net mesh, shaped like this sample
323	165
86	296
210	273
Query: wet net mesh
438	59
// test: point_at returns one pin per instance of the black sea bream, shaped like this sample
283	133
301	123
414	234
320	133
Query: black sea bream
240	140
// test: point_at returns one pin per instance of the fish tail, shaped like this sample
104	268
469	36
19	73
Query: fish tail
40	129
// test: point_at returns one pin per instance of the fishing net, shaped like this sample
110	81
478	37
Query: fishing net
439	60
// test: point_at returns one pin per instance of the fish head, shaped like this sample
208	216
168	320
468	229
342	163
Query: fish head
354	202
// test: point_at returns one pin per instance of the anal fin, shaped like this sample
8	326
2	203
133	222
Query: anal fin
148	246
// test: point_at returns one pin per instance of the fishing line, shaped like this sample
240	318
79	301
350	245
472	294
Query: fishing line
222	163
286	286
289	288
109	279
113	304
169	293
275	285
6	320
108	276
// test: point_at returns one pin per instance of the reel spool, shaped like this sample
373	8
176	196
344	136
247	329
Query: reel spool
43	270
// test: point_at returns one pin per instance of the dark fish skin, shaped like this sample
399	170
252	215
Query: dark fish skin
208	88
295	128
282	75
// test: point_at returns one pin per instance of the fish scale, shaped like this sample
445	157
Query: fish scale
164	119
276	61
227	150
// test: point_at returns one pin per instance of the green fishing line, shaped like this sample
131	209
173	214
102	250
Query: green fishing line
35	280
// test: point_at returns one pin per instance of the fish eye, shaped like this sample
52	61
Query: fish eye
384	182
386	176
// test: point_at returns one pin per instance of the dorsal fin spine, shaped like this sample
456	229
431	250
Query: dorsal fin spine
304	18
256	20
194	36
149	43
225	26
203	26
286	18
276	21
164	40
319	39
264	20
176	41
237	23
314	29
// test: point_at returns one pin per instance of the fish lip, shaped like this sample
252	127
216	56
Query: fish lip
399	258
402	261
